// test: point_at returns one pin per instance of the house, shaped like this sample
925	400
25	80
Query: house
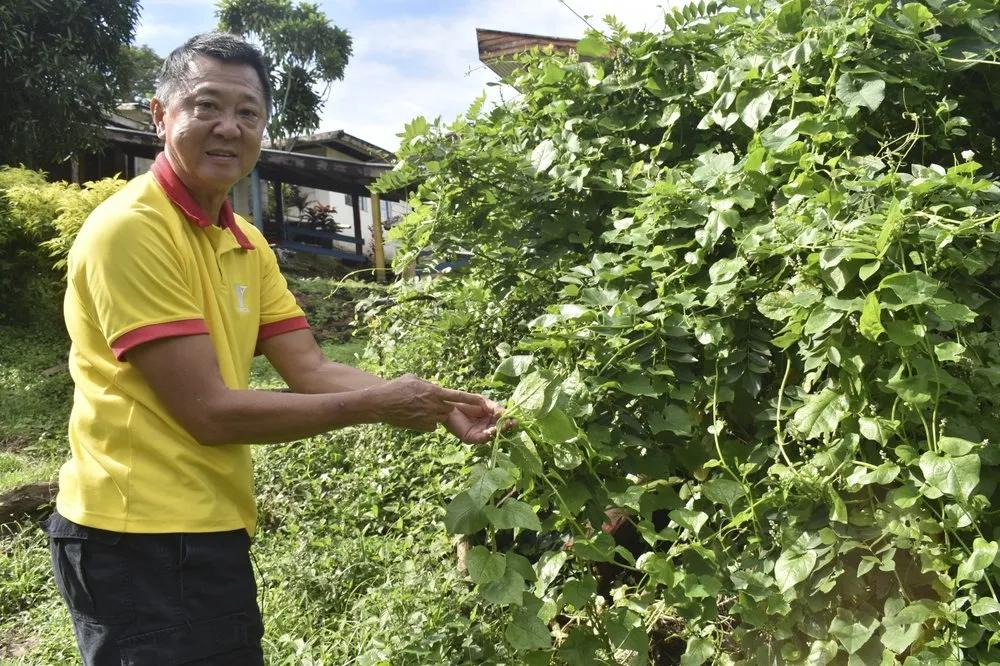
497	49
334	168
340	145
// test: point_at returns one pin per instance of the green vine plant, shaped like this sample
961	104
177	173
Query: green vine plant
739	283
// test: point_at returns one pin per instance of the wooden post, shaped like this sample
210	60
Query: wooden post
377	237
359	239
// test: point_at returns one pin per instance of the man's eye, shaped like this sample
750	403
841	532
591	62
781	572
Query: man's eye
249	114
205	105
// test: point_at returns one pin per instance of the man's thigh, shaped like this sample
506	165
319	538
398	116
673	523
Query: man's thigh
140	599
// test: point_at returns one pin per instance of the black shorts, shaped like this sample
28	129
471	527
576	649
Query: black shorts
152	599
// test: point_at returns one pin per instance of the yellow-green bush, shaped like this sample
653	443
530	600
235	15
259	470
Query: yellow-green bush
38	222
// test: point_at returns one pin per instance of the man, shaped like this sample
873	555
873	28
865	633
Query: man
169	296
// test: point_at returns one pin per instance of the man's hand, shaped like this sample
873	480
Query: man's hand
411	402
476	424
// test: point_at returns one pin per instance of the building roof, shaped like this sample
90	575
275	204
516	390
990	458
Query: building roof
345	143
498	48
324	173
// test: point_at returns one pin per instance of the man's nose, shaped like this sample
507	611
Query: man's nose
227	127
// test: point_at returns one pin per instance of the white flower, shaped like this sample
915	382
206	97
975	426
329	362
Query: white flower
968	155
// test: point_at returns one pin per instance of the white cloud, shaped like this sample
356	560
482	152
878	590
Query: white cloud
420	65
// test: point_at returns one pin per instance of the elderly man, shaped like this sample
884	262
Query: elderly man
169	296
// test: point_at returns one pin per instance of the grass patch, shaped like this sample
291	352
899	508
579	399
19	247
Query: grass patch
354	565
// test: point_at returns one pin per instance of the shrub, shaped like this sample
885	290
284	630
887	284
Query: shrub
38	223
767	242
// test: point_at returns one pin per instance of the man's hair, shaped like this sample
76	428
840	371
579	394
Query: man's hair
220	46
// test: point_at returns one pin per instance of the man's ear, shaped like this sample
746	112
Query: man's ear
158	109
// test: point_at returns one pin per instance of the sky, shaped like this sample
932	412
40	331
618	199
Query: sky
411	57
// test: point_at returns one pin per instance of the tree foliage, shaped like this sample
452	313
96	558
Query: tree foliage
756	257
38	223
142	66
307	53
60	64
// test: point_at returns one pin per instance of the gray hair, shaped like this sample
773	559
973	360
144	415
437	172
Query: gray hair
222	46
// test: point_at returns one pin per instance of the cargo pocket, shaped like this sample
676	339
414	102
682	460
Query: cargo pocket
91	572
221	640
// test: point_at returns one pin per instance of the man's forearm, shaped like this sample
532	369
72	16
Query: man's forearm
333	377
260	417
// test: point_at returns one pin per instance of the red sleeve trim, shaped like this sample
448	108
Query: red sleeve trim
278	327
170	329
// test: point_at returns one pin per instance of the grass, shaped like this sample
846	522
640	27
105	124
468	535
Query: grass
354	565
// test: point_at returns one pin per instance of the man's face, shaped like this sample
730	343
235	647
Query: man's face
213	125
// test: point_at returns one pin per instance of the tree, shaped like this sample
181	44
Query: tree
60	65
306	52
141	69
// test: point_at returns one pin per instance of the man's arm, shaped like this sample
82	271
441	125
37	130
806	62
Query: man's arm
304	367
184	375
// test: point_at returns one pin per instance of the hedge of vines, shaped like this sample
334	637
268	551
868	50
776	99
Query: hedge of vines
739	282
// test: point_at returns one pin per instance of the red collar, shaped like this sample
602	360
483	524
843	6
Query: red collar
180	196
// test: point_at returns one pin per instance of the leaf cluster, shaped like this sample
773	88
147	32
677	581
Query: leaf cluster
38	223
763	248
61	65
306	52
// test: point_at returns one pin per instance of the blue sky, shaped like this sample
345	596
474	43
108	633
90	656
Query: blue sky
411	57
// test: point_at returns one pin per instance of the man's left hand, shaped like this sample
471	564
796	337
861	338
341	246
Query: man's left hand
476	424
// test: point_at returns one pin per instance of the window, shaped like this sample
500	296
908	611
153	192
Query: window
364	203
347	199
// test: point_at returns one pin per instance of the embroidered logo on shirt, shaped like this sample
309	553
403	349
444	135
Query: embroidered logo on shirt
241	292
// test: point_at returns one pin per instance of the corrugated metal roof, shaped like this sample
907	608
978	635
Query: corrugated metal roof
497	47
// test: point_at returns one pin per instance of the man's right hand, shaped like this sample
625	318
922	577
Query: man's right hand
411	402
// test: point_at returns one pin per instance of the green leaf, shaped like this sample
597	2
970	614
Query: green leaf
637	383
689	519
486	481
527	632
905	333
507	590
917	17
898	637
543	156
860	92
599	548
557	427
821	414
513	367
793	566
912	288
579	592
975	565
530	394
949	351
513	514
485	566
821	653
870	324
873	429
464	515
985	606
790	16
756	108
955	476
852	631
822	319
547	569
673	419
699	651
723	491
593	46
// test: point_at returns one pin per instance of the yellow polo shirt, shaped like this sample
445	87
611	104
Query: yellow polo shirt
148	264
